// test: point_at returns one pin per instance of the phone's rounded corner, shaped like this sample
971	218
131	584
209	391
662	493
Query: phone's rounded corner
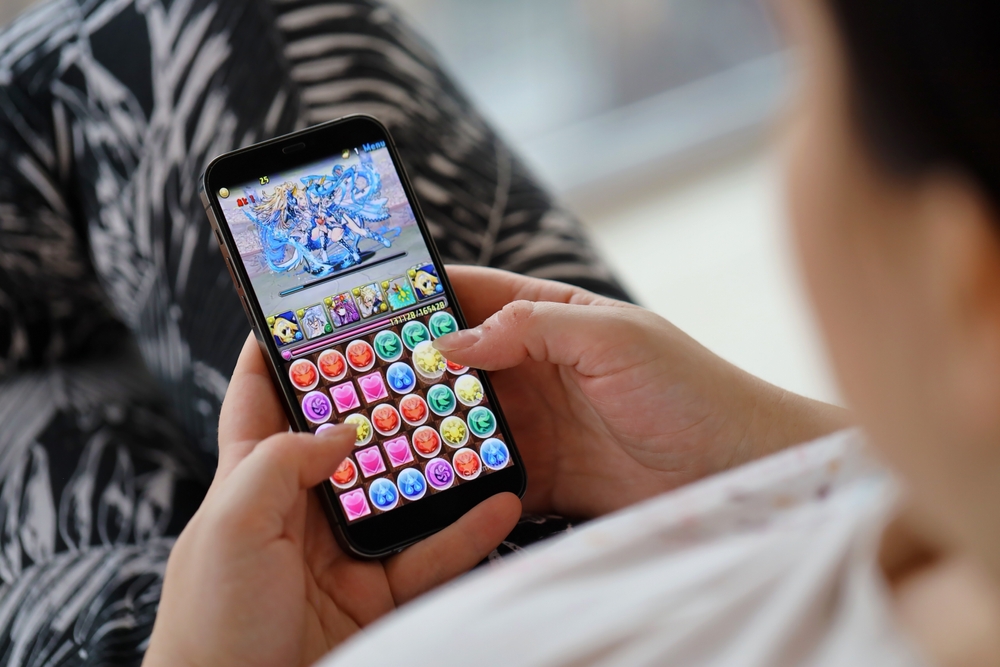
524	482
354	550
206	175
520	487
369	118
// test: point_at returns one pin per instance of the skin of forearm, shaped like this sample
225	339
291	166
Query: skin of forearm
779	419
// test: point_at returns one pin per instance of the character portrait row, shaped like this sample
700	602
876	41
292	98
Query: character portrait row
420	283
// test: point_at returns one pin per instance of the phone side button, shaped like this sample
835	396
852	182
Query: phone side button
246	308
232	274
213	222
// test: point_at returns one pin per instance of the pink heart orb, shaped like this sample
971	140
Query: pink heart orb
370	461
345	397
372	387
398	451
355	504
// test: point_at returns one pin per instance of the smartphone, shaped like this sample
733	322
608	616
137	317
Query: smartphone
346	293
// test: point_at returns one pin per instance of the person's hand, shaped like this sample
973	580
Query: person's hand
610	404
256	578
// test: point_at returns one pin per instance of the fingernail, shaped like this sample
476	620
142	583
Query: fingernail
458	340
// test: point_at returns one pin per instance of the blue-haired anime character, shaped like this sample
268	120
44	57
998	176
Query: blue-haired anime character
345	205
318	226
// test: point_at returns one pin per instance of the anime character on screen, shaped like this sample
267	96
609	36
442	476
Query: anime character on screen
314	322
285	328
317	226
343	310
425	281
370	300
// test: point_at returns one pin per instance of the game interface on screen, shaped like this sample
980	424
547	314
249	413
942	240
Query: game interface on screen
353	301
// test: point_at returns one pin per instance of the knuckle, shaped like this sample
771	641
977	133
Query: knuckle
515	314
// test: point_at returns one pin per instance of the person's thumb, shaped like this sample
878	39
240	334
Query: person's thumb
268	483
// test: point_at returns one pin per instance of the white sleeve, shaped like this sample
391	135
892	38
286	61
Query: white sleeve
772	564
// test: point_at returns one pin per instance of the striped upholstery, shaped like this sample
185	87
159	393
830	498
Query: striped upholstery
483	205
118	323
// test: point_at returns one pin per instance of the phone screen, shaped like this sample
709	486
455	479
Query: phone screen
353	299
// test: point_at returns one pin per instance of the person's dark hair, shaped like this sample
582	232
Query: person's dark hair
925	84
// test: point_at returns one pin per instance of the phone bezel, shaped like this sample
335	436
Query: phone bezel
387	533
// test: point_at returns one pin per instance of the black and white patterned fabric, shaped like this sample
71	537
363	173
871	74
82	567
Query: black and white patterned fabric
118	323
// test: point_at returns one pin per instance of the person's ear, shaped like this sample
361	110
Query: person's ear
960	239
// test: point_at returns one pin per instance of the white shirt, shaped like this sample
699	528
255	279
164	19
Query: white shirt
768	565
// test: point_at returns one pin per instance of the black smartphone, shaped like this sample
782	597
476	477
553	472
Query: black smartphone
346	292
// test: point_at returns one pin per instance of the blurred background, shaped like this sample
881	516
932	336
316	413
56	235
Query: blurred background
652	120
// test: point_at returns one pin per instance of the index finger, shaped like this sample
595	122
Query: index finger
251	411
482	292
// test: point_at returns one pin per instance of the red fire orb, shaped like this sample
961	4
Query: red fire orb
331	363
346	473
414	409
385	419
427	441
360	354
